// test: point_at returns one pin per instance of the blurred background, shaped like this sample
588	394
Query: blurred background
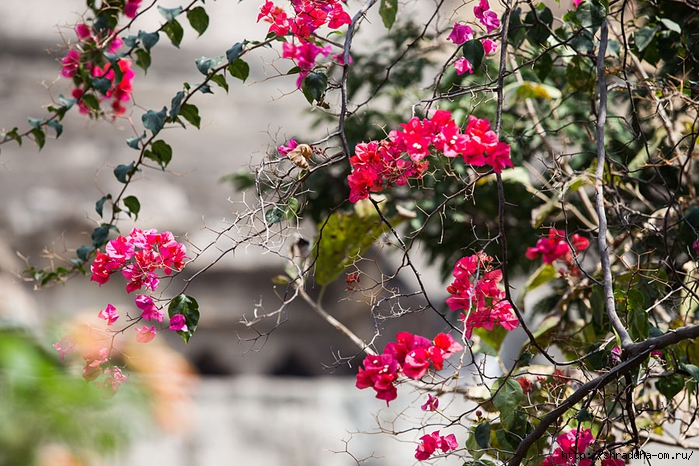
226	398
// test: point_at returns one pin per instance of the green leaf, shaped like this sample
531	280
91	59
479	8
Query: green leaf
583	416
671	25
103	85
204	64
670	386
492	338
99	235
639	326
174	32
91	102
83	252
170	13
35	122
506	393
148	39
176	104
234	52
482	434
99	205
343	238
388	10
134	206
692	370
543	66
133	142
544	274
239	69
537	33
591	14
198	19
124	172
159	152
473	52
190	113
314	86
644	36
189	308
154	121
39	137
57	126
220	80
525	358
143	59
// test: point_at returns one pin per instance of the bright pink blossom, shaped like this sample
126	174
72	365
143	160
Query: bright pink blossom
178	323
556	248
431	404
304	55
148	308
70	63
379	372
463	66
93	363
145	334
489	46
576	3
460	34
432	442
131	8
109	314
488	18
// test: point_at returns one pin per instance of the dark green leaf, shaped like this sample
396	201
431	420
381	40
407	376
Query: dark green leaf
583	416
644	36
234	52
57	126
143	59
274	214
506	393
525	358
154	121
473	52
39	137
204	64
99	235
388	10
543	67
170	13
314	86
670	386
591	14
35	122
189	308
134	206
191	114
692	370
124	172
198	19
148	39
133	142
220	80
91	102
83	252
174	32
205	89
176	104
159	152
103	85
239	69
99	205
482	434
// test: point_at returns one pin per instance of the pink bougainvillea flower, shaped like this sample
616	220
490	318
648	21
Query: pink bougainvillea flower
304	55
556	248
379	372
145	334
131	8
489	46
109	314
460	34
431	404
463	66
576	3
65	346
288	147
178	323
148	308
70	63
93	363
575	441
432	442
488	18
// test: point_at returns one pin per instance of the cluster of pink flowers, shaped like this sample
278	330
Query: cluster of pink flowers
571	449
96	364
121	82
485	304
378	165
556	248
131	8
431	442
462	33
308	16
411	355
